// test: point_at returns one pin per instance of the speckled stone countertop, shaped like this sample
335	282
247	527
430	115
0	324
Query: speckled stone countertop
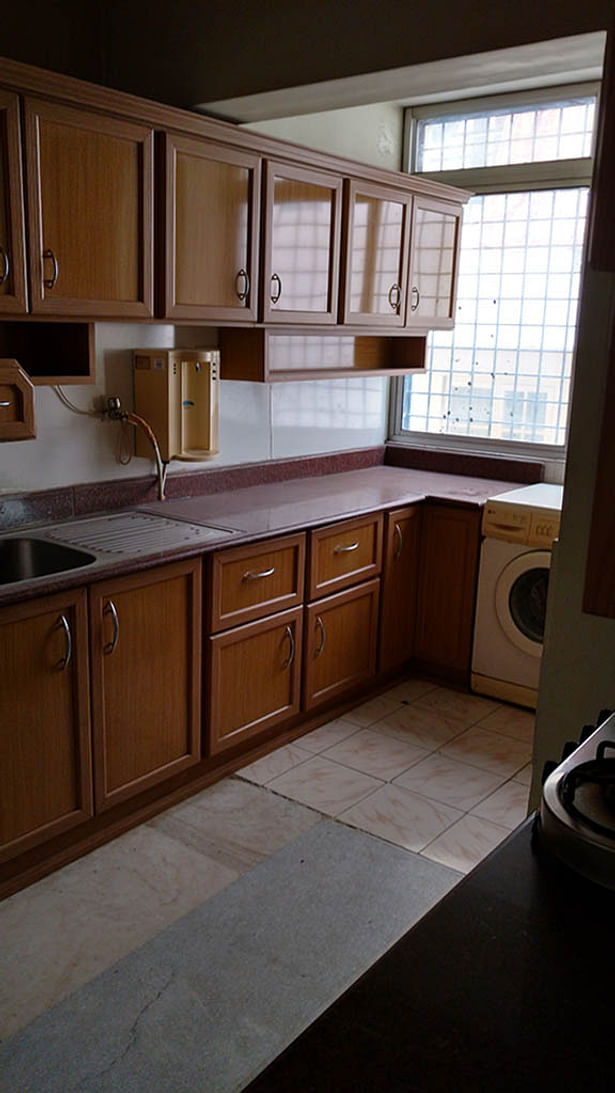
260	511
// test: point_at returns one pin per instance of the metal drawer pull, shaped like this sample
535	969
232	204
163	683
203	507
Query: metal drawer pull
400	543
415	293
291	655
5	403
64	662
321	627
257	576
394	296
109	609
346	549
50	282
242	293
275	296
4	276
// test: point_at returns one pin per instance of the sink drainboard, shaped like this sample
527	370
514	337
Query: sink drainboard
134	533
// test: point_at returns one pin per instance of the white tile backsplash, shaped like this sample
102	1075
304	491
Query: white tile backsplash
258	422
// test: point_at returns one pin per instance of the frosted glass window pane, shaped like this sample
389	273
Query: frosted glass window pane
504	371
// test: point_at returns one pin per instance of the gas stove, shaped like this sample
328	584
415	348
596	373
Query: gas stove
577	811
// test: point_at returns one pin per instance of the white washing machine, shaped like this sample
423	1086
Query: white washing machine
518	528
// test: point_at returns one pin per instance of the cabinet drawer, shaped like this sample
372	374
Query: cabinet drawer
254	679
253	581
344	554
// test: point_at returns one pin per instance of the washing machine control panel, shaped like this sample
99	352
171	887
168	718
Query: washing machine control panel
517	524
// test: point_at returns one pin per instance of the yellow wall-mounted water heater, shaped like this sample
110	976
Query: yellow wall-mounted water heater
176	391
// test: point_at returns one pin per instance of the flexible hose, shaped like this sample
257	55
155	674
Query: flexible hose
161	467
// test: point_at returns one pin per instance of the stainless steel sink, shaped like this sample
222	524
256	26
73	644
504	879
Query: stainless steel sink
25	557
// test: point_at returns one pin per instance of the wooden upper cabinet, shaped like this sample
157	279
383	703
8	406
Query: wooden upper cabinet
13	298
434	252
90	212
145	632
212	199
376	255
303	210
45	759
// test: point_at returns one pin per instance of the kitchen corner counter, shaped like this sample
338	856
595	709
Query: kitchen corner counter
260	511
506	985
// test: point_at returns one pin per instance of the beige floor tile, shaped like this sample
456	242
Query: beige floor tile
450	782
423	728
455	704
324	785
510	721
507	806
376	754
490	751
276	762
401	817
327	735
524	775
409	690
236	823
60	933
371	711
466	843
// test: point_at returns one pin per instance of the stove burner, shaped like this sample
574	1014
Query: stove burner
587	792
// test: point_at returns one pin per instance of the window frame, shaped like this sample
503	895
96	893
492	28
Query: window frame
507	178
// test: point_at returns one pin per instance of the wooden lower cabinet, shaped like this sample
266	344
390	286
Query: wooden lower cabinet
399	587
340	643
254	679
450	544
44	721
145	635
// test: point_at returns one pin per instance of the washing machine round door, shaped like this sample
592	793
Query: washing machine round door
521	600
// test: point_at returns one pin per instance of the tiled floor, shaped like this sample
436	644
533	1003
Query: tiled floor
435	772
439	772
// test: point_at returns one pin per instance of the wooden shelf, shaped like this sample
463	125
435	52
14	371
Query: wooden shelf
51	352
264	355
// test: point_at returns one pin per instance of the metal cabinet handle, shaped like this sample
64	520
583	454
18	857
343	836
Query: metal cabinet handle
395	296
323	636
400	542
345	549
50	282
275	296
257	576
416	296
64	662
4	276
9	403
291	655
109	609
242	293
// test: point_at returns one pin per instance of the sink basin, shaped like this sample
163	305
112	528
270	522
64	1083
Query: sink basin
23	558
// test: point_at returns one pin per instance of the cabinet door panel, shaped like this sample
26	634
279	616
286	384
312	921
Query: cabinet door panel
44	721
254	679
434	247
302	243
212	211
450	543
376	255
145	635
399	587
90	212
340	643
12	237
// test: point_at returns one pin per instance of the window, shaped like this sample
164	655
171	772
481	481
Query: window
502	376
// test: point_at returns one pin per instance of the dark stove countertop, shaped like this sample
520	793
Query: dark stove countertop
506	986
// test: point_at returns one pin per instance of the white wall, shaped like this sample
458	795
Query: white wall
578	670
257	421
371	134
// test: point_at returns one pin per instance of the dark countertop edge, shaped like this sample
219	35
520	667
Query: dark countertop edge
23	591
